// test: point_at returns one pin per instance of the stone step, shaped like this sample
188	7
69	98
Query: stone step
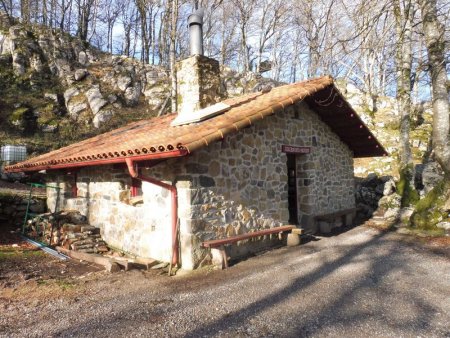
297	231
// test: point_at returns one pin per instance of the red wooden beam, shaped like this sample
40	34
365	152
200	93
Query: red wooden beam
219	242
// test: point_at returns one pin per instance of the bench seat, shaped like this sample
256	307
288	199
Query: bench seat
326	221
333	215
220	243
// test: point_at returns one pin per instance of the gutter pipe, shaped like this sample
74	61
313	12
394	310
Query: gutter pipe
134	172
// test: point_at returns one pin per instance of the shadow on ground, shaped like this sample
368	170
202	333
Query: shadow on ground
334	297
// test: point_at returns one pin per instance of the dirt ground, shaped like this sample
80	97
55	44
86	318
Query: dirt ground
22	263
362	282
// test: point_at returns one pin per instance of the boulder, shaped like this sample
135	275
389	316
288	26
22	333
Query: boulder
47	128
95	99
389	187
19	63
83	58
62	67
51	96
75	108
132	94
112	98
80	74
446	206
102	117
444	225
70	92
390	201
123	82
432	174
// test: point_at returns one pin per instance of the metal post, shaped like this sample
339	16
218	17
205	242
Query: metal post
28	208
195	23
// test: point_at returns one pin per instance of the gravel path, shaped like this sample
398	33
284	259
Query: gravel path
359	283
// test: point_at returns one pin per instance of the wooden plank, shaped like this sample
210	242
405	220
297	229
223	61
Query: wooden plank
108	263
218	242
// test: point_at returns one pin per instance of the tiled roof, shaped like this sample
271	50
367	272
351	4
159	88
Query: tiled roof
156	137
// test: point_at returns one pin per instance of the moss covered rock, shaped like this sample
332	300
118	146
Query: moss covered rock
431	210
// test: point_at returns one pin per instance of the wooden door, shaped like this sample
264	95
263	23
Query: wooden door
292	189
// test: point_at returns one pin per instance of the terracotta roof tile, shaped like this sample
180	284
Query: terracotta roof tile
156	137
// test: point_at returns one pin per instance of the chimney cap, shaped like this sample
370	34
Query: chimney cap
196	18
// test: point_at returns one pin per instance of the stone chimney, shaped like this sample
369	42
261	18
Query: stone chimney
198	76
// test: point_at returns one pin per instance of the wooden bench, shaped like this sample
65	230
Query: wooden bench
332	216
220	243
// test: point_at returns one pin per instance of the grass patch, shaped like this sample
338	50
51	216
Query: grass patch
433	232
63	284
18	254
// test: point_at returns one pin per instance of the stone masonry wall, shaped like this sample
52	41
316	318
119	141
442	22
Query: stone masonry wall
240	184
13	208
232	187
103	196
198	84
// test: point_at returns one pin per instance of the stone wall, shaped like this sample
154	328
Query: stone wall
240	184
232	187
198	84
13	208
104	197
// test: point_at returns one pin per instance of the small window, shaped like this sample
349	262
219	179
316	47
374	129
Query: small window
136	187
72	183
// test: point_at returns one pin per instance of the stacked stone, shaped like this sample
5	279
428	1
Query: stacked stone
67	229
13	208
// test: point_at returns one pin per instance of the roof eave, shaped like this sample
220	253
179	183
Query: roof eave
37	167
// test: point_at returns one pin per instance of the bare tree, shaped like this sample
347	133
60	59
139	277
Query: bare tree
435	43
244	13
404	15
271	14
146	9
109	15
173	33
84	17
128	19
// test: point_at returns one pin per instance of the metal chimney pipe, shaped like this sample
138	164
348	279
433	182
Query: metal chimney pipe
195	22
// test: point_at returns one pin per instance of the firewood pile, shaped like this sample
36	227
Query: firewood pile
68	229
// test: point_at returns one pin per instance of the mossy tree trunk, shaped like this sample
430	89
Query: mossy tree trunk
435	42
404	14
429	210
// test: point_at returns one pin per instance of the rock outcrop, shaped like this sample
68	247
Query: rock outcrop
381	115
57	89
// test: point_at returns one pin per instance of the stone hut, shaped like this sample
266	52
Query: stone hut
158	188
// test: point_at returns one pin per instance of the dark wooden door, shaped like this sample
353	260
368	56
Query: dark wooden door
292	189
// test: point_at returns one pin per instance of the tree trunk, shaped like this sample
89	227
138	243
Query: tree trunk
173	35
435	42
25	11
403	60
